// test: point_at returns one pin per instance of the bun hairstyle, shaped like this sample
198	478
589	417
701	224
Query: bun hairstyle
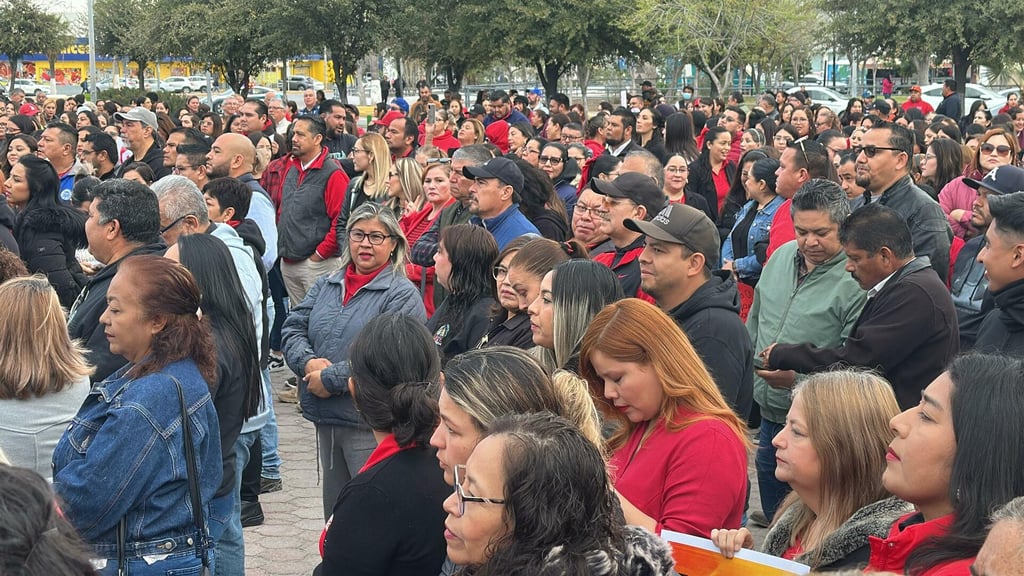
395	365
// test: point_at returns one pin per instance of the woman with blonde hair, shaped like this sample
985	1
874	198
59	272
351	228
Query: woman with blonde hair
371	156
436	190
471	132
679	453
830	453
405	187
43	378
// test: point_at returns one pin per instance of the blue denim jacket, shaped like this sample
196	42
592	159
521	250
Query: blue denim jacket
123	456
748	266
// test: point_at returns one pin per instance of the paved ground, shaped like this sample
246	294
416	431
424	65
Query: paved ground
286	543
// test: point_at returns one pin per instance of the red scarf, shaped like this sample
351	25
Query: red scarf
354	281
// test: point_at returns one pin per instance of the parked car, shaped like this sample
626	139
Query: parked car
28	85
932	94
177	84
300	83
827	97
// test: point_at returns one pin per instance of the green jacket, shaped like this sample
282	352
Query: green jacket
821	310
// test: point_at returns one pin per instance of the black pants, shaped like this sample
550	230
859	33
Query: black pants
251	473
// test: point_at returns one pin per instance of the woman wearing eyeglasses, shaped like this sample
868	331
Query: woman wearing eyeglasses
555	162
509	326
996	148
370	155
534	498
319	331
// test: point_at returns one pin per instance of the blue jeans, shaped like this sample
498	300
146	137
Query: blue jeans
268	435
772	491
231	546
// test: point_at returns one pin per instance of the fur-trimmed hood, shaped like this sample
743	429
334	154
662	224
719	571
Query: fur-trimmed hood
875	519
67	221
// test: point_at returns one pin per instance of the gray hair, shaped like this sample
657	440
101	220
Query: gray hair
474	154
652	166
822	195
180	197
1012	511
372	211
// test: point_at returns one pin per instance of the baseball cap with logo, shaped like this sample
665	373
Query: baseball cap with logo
682	224
138	114
501	168
28	109
1001	180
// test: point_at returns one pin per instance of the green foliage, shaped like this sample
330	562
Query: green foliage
439	37
129	30
25	28
125	96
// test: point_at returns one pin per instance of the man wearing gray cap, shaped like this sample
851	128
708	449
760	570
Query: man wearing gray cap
494	200
679	268
138	128
630	196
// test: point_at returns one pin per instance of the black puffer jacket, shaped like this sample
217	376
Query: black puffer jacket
48	237
7	227
1002	331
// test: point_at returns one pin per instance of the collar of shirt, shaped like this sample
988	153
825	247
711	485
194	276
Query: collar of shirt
617	151
878	287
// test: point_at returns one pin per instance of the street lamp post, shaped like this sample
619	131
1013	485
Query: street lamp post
93	90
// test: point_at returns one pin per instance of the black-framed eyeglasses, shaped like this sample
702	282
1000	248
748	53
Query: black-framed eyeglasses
870	150
551	160
593	211
375	238
180	169
173	224
499	272
460	495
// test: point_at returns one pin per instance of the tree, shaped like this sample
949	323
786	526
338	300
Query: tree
128	30
236	36
351	30
25	28
710	32
556	37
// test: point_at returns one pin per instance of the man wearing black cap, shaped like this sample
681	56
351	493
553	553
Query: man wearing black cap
494	200
1002	331
682	249
969	285
881	109
630	196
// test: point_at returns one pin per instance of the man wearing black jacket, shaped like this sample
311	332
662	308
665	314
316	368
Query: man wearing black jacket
1002	331
908	328
676	268
124	220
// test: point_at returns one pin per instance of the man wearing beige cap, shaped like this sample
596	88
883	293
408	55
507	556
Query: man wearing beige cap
138	128
679	268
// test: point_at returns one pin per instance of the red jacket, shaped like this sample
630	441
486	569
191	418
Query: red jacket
907	533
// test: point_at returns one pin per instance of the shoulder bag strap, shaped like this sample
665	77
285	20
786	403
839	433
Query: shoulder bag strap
193	480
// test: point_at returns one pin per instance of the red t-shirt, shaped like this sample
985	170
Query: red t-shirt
782	229
690	481
721	180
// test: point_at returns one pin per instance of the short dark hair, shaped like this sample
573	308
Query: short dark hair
821	195
261	108
133	205
562	99
739	111
499	95
328	106
103	142
1008	213
144	170
950	83
396	396
192	135
829	135
68	134
562	120
899	137
196	153
874	226
316	124
813	157
628	120
230	193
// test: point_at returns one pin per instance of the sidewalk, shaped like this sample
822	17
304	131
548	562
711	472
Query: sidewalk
287	542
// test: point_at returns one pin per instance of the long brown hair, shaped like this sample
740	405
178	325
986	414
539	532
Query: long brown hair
847	416
39	357
632	330
166	290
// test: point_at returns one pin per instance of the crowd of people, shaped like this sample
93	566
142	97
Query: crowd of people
530	337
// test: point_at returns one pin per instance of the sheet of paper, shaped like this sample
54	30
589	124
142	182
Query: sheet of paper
700	557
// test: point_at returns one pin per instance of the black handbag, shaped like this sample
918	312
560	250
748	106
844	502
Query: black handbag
203	538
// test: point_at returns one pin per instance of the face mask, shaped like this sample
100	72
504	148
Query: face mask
687	96
635	111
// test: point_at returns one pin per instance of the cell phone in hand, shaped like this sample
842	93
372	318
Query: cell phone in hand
431	113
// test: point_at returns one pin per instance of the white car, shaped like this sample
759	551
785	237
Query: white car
932	94
29	86
181	84
827	97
